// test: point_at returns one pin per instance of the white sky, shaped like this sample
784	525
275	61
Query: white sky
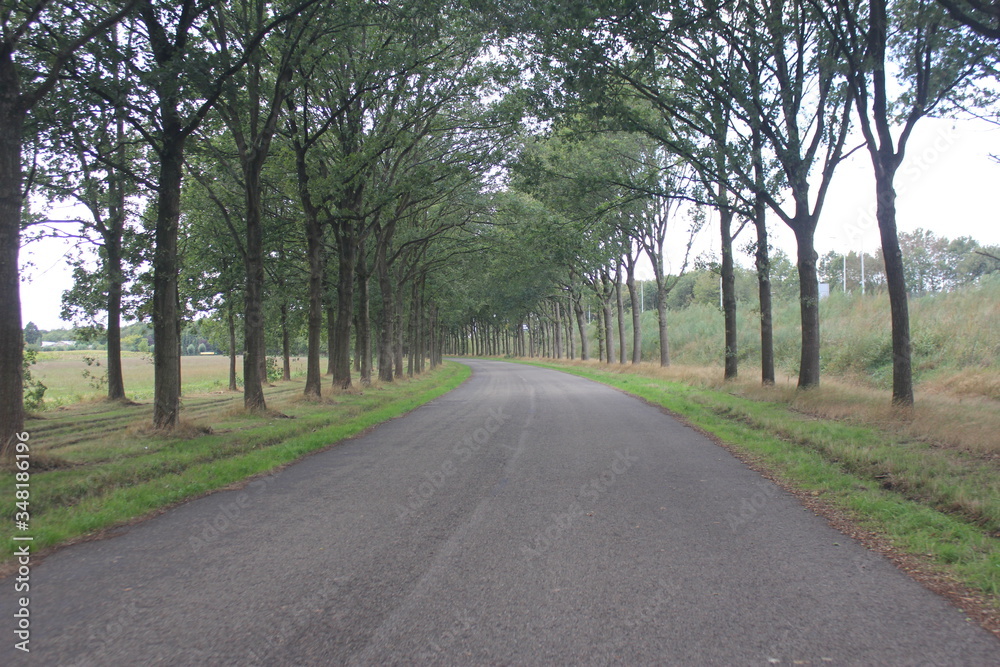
947	184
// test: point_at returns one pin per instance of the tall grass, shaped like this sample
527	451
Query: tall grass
955	338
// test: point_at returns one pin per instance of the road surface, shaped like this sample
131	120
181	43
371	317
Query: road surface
528	517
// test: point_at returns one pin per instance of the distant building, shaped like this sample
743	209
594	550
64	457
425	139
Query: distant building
824	290
59	343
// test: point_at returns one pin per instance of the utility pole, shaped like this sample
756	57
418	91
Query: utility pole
862	270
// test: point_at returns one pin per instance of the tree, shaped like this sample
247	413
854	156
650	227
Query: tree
388	86
250	103
93	160
935	64
656	220
982	17
795	103
184	78
32	336
38	40
212	272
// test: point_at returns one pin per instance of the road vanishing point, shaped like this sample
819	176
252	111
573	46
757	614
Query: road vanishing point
529	517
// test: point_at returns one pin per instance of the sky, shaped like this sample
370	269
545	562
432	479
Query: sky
947	184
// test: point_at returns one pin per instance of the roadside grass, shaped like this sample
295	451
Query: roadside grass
937	503
100	471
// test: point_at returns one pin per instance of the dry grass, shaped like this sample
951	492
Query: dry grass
183	430
967	383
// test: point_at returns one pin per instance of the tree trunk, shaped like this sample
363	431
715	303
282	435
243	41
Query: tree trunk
113	264
570	340
397	352
331	335
253	313
421	342
286	356
763	264
902	369
808	304
432	335
581	325
661	321
364	329
557	329
600	334
341	354
232	348
386	336
358	341
729	294
11	335
166	311
412	327
609	325
633	296
314	254
620	304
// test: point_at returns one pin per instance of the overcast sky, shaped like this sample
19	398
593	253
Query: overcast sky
947	184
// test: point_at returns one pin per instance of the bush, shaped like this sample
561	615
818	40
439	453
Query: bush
97	381
274	371
34	390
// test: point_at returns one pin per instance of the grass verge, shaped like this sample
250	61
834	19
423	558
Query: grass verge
99	470
934	510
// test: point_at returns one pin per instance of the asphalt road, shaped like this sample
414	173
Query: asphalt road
528	517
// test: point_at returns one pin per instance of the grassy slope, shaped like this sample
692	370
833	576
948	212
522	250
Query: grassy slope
108	471
939	505
955	337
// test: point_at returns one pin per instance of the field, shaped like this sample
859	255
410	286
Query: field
62	374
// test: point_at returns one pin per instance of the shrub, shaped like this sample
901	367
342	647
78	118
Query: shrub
34	390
